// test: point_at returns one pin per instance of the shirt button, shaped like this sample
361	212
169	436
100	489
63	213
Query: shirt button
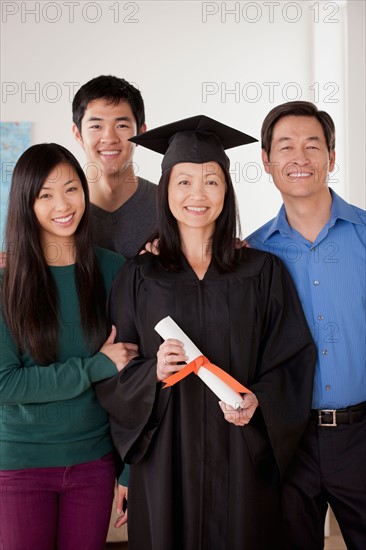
325	352
312	249
320	318
316	283
327	387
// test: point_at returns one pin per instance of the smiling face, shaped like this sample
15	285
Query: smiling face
105	130
196	195
60	205
299	160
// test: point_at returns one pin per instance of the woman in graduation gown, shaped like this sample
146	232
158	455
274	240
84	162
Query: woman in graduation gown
205	476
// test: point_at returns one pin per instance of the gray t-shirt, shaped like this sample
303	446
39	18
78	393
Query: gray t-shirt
126	229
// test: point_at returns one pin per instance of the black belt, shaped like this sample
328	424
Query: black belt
334	417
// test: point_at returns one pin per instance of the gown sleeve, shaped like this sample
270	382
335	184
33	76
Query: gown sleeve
132	398
285	370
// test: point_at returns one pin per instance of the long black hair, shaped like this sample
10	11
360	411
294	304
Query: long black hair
227	228
28	293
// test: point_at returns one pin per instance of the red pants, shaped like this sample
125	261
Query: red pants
67	508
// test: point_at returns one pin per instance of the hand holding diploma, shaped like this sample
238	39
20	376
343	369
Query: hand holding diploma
177	348
243	414
171	352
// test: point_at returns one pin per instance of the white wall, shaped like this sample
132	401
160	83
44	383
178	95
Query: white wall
356	94
230	60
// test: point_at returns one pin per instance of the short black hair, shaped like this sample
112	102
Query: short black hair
113	90
297	108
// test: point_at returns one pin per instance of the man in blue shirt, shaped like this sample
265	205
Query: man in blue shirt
322	241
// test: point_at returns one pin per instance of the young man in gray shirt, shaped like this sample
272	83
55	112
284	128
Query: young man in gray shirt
107	111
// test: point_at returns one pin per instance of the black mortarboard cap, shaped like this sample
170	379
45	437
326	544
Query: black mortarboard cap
196	139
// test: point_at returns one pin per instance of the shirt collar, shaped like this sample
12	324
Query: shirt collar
340	210
279	223
343	210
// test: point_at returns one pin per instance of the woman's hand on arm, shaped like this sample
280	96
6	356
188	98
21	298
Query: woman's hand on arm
242	416
23	381
120	353
122	497
170	353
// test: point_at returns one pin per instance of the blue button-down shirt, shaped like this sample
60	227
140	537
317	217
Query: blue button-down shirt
330	276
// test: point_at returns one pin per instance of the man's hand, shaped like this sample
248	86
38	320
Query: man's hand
121	506
2	260
152	247
241	244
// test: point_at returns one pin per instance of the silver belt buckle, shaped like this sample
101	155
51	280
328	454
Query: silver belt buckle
333	423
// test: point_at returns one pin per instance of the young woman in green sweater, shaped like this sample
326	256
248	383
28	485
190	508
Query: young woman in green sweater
57	469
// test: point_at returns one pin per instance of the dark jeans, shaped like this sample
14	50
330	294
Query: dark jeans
67	508
329	467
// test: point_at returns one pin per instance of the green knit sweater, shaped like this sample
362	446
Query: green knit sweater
50	415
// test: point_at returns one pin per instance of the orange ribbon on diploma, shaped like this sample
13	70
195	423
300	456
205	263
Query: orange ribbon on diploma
220	382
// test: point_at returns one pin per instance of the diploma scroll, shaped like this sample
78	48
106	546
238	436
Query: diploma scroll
167	328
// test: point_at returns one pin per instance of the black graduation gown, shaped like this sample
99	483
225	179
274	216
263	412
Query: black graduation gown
198	482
